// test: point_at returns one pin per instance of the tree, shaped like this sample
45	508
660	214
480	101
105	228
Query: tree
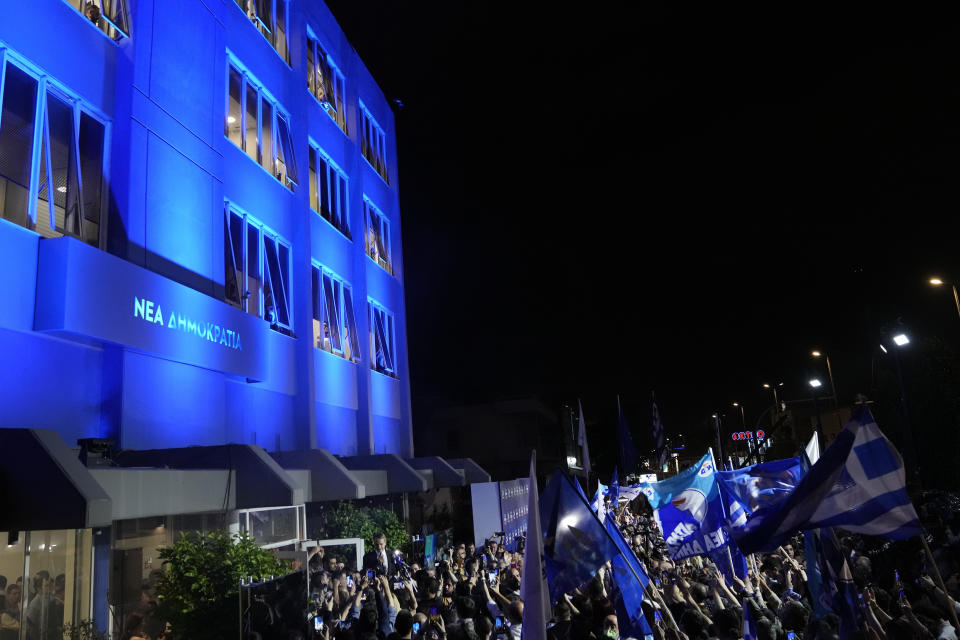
347	521
198	593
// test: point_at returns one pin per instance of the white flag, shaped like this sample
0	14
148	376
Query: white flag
533	586
584	449
813	448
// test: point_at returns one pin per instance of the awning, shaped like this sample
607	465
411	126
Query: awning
44	485
329	479
401	477
260	481
471	470
141	493
444	474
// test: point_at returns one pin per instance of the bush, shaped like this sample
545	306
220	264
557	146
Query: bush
199	591
347	521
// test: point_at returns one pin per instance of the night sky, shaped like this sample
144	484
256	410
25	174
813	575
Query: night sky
599	201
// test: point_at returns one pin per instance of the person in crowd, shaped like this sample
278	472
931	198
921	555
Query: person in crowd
377	559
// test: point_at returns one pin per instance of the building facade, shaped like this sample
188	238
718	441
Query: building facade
228	176
200	227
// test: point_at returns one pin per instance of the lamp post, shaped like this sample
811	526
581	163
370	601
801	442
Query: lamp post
901	340
814	385
833	387
716	420
776	401
937	282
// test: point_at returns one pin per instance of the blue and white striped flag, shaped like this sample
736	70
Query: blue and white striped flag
859	484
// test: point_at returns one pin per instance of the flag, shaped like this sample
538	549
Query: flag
582	442
629	580
859	484
533	588
836	591
689	510
813	448
628	453
597	504
749	627
731	562
575	543
659	435
746	490
614	490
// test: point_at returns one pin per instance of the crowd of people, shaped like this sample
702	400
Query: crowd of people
474	593
42	616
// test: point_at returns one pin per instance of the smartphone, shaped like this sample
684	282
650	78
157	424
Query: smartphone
416	627
790	635
398	584
433	611
498	623
349	582
656	581
318	623
370	574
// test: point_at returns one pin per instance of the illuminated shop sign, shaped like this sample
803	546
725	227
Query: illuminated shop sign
749	435
88	295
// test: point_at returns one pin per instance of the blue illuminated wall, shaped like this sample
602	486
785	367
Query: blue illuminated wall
169	171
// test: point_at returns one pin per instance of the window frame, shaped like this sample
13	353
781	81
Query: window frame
282	145
378	150
389	325
249	223
370	213
342	289
338	106
122	32
339	201
250	11
40	146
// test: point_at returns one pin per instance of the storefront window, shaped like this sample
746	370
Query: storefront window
57	588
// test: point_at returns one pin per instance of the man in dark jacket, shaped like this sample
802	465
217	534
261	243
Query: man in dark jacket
378	559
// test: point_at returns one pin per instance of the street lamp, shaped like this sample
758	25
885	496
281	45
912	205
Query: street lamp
776	401
902	340
833	387
937	282
814	385
716	420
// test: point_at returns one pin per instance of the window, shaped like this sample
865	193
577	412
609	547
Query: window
257	125
270	19
325	82
110	16
377	234
373	143
51	169
334	322
328	191
257	270
382	352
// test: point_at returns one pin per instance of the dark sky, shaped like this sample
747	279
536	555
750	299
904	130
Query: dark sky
612	200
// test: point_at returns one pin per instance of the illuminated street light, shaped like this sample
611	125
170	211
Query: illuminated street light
939	282
883	348
815	383
816	353
901	339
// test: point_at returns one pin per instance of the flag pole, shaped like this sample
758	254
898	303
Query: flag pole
936	572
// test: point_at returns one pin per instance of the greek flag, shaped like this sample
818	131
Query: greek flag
859	484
